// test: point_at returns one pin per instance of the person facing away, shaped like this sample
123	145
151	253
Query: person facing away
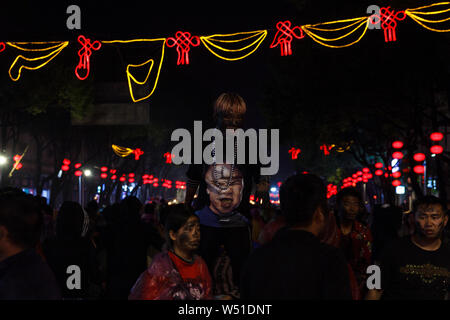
417	267
228	113
295	264
23	273
72	247
176	273
355	238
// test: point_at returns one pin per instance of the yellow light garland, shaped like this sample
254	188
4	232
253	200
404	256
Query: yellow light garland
122	151
415	15
57	49
217	38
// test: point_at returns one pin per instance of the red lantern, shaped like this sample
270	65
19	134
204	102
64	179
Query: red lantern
354	176
131	175
65	168
104	175
78	173
114	177
359	173
131	180
396	183
370	176
397	144
379	172
436	149
155	184
386	175
419	169
397	155
397	174
66	162
419	157
359	179
77	165
122	179
365	180
436	136
16	157
378	165
113	171
365	170
104	169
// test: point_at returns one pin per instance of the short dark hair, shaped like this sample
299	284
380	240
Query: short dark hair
70	220
20	214
176	216
300	196
429	201
348	192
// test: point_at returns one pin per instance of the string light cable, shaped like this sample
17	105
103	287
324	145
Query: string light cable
416	13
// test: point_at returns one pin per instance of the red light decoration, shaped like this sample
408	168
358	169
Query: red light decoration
326	149
284	37
378	165
122	179
78	173
354	176
419	169
65	167
131	175
2	46
137	153
365	180
113	171
155	184
379	172
131	180
294	152
388	19
397	174
183	41
104	169
386	175
84	53
66	162
436	149
397	155
369	176
77	165
104	175
168	157
365	170
359	179
18	166
16	157
419	157
113	177
145	176
396	183
359	173
436	136
397	144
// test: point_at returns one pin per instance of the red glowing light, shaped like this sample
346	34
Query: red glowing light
137	153
122	179
419	157
168	157
397	155
65	167
366	170
84	53
104	169
113	177
113	171
183	41
419	169
18	166
77	165
326	149
131	175
397	144
16	157
2	46
104	175
78	173
436	149
378	165
397	174
155	184
387	18
436	136
359	179
284	35
359	173
131	180
294	152
145	176
365	180
386	175
354	176
396	183
66	162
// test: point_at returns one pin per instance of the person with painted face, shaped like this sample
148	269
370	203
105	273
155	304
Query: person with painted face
224	228
417	267
176	273
354	238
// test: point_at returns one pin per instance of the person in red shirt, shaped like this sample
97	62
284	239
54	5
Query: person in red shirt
177	273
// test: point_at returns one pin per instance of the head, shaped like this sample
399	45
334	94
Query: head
20	221
430	217
348	204
72	221
303	202
229	111
224	198
131	209
182	228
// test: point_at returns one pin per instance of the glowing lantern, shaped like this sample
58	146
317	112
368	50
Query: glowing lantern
396	183
366	170
397	144
155	184
65	167
436	136
378	165
419	169
359	179
131	180
369	176
77	165
113	171
436	149
104	175
365	180
359	173
78	173
397	155
419	157
122	179
379	172
354	176
104	169
114	177
66	162
131	175
397	174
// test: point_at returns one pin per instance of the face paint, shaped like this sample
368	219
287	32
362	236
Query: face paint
188	236
224	199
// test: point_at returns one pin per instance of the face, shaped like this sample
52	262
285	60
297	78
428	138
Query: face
224	199
187	238
430	221
350	207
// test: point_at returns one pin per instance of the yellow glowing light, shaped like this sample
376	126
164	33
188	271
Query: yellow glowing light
48	57
356	22
415	15
217	41
131	79
122	151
